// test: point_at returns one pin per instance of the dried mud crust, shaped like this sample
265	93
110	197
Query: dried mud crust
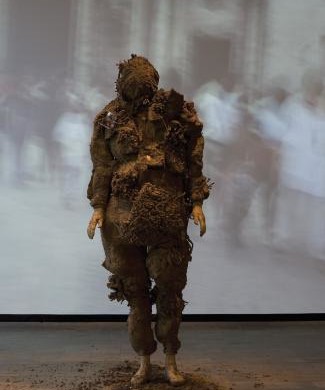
92	376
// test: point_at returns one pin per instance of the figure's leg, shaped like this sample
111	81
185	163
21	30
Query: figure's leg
130	281
173	375
167	265
142	376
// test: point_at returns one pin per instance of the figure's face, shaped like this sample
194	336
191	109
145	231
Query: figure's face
137	79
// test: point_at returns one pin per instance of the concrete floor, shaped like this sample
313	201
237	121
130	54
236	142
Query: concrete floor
238	356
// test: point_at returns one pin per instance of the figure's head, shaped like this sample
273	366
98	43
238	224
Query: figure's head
137	79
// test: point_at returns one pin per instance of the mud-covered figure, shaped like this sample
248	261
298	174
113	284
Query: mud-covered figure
146	183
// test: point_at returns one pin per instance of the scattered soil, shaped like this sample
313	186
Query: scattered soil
88	376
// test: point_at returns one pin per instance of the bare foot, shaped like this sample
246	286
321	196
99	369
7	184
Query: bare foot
174	377
142	376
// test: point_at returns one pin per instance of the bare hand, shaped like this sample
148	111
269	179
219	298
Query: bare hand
199	218
97	219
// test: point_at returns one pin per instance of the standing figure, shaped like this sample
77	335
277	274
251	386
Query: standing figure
146	182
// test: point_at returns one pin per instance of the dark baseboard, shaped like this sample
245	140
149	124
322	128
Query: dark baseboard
186	317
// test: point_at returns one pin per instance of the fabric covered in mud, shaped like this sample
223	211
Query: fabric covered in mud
155	213
147	149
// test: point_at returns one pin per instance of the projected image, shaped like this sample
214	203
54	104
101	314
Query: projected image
255	71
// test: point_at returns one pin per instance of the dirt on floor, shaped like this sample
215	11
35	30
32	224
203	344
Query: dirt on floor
120	377
87	376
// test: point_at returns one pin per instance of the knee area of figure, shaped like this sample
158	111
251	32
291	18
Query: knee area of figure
169	277
173	285
168	267
134	290
170	304
125	262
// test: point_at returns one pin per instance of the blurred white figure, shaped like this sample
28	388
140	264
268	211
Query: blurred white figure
217	107
246	169
302	173
72	132
270	116
20	125
223	117
270	112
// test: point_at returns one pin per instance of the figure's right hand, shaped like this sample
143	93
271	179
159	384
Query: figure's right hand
97	219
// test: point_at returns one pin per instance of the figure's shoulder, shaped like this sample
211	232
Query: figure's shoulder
112	106
106	119
190	117
166	104
172	105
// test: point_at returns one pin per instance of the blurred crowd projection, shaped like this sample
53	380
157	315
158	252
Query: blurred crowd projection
268	154
45	135
255	70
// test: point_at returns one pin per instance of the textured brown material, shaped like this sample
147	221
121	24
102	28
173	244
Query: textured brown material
146	149
155	213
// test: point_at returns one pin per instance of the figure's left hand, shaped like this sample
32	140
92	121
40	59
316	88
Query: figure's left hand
97	219
199	218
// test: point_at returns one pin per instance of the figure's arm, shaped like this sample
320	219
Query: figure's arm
103	165
198	184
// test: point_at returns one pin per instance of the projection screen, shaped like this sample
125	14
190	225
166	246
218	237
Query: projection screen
255	71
